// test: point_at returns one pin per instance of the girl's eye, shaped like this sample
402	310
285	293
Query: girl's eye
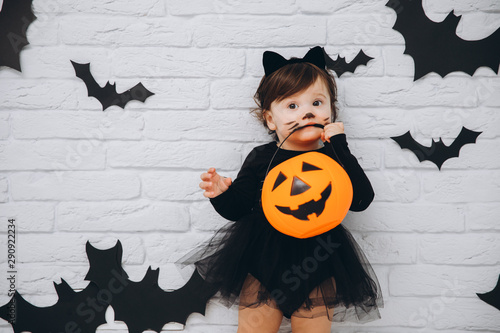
292	106
317	103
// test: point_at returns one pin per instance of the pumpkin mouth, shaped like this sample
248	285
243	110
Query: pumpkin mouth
309	207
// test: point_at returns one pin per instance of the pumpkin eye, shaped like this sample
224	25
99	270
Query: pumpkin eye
309	167
298	186
280	179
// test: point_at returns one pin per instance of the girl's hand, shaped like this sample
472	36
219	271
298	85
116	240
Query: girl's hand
331	130
213	183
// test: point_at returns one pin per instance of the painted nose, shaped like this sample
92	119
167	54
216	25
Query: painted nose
308	115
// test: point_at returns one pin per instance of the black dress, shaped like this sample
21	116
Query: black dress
323	275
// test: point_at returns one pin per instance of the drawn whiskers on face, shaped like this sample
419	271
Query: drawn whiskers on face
296	127
295	124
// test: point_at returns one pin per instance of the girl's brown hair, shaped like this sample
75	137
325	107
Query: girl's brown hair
287	81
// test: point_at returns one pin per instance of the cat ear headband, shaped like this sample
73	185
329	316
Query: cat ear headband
272	61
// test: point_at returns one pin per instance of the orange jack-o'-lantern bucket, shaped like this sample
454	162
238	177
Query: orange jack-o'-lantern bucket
306	195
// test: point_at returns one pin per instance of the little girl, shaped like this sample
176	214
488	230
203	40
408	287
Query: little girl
312	281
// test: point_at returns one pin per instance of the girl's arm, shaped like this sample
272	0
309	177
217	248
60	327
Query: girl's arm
362	189
239	198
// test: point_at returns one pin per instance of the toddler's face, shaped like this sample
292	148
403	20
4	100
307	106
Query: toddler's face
310	106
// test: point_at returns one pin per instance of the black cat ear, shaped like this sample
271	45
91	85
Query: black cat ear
316	56
272	61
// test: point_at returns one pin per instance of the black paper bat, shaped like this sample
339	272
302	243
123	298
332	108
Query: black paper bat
141	305
15	18
438	152
492	297
435	47
73	312
144	305
340	66
107	95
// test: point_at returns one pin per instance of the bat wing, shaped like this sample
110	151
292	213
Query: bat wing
465	136
435	47
23	316
492	297
406	141
93	88
340	66
15	18
107	95
72	310
136	93
193	297
443	152
361	59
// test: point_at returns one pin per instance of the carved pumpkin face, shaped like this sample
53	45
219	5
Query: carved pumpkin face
306	195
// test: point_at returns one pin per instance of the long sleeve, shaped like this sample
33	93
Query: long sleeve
362	189
239	198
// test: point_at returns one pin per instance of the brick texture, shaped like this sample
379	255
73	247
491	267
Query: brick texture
71	173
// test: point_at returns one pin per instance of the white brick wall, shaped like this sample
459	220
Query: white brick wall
71	173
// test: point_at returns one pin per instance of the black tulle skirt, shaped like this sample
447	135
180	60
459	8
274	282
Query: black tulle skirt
251	263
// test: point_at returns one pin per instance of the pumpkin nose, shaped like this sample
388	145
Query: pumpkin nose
298	186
